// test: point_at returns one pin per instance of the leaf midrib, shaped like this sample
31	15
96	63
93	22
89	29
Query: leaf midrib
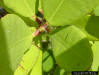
27	6
57	9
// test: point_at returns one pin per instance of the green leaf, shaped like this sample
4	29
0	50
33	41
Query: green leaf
95	64
28	61
1	3
96	11
71	49
15	39
48	61
37	68
26	8
90	26
63	12
59	71
40	6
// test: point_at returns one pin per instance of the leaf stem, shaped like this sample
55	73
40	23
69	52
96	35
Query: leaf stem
42	28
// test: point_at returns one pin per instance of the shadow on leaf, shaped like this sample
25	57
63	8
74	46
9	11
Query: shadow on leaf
4	57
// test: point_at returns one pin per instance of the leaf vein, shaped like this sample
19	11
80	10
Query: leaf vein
57	9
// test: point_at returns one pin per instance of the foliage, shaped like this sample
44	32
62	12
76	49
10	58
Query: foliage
48	37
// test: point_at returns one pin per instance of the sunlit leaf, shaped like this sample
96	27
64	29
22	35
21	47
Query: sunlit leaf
96	11
63	12
28	61
15	39
71	49
37	68
95	64
26	8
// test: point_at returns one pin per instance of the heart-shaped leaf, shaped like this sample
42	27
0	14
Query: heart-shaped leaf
63	12
15	39
71	49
